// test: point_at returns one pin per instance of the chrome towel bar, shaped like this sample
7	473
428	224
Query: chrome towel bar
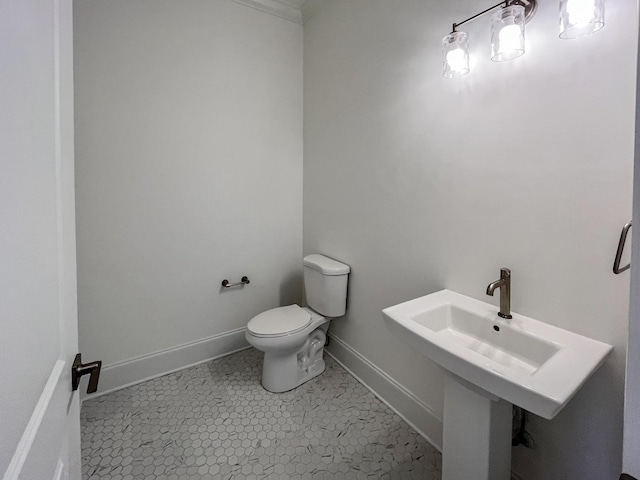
623	239
243	281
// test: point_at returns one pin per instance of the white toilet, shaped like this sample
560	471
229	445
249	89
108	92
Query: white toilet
293	337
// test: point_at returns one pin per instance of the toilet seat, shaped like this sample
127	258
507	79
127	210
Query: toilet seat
280	321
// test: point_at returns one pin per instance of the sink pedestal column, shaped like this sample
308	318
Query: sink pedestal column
477	433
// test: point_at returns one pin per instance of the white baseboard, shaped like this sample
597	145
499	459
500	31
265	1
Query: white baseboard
410	408
140	369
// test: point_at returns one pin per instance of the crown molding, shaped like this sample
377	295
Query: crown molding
288	9
309	9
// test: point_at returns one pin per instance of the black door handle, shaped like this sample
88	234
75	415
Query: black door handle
78	370
623	239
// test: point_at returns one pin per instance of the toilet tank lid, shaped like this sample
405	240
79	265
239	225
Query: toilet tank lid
325	265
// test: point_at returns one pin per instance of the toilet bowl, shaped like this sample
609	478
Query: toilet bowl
293	353
293	337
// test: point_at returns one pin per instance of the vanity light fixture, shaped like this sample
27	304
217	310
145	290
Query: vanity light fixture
577	18
507	36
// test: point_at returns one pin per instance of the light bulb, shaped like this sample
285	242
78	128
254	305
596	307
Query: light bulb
580	17
457	60
509	39
580	11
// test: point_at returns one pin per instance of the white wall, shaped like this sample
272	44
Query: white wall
189	170
422	183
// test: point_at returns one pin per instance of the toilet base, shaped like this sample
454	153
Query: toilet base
279	385
284	371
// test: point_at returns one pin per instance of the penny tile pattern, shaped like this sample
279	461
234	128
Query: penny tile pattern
215	421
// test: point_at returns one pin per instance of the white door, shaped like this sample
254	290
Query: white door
631	447
39	413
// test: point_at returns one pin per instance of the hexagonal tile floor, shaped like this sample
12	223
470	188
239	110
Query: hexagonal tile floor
215	421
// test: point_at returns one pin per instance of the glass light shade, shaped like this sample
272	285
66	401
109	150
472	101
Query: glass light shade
455	55
507	33
580	17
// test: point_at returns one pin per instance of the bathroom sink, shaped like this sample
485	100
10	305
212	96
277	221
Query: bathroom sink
526	362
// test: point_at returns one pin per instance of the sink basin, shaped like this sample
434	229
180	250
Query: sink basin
526	362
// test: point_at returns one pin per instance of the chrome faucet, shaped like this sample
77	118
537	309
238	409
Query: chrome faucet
504	284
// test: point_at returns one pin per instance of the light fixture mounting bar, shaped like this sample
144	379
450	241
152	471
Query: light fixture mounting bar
456	25
530	6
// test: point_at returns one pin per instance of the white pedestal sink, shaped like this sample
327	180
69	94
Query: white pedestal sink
477	433
493	363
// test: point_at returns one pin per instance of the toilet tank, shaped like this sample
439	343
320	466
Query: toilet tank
325	283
